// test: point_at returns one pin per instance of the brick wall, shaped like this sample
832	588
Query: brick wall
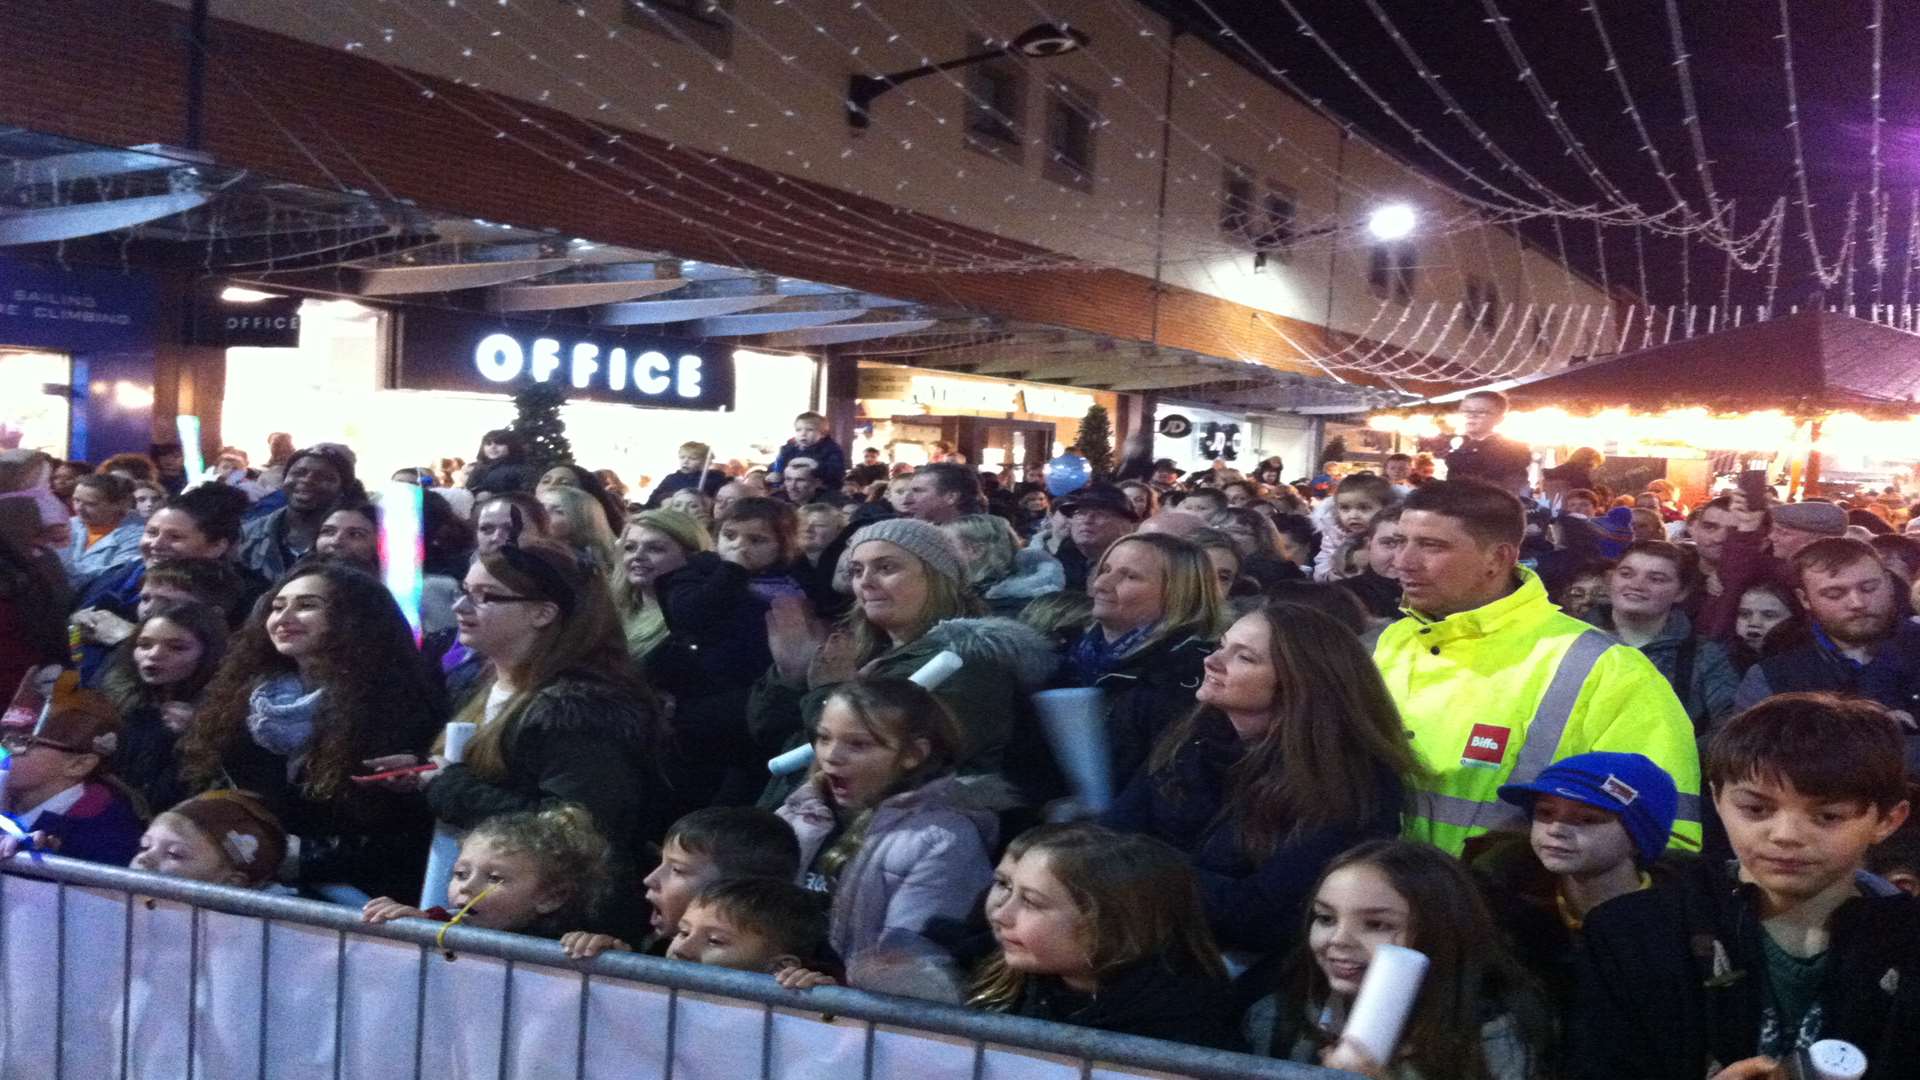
113	72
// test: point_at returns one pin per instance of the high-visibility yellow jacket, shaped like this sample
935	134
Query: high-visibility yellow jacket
1494	695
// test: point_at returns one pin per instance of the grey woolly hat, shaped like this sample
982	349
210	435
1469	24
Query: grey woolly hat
1820	518
929	543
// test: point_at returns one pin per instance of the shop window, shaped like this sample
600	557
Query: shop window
707	24
1391	270
1237	203
1073	121
35	398
1483	303
996	102
1279	222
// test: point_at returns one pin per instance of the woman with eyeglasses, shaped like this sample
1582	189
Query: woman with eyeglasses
562	716
323	684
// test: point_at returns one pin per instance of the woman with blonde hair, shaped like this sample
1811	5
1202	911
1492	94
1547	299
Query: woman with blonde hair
695	627
1002	573
1156	615
911	602
575	518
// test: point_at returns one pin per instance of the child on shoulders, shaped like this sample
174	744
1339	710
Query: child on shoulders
810	439
1744	963
1356	502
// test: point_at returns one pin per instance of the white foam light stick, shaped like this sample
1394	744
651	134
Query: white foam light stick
1829	1059
446	840
1075	720
190	456
931	675
1385	1000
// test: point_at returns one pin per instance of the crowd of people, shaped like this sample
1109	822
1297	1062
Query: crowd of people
1632	770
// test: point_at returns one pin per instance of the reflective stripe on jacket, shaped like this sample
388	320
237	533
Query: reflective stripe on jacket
1494	695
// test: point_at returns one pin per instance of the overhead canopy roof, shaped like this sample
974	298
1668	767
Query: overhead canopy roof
160	207
1815	361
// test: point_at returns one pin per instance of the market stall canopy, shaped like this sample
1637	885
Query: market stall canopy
1812	362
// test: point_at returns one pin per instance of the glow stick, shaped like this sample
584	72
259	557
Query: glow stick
446	841
403	549
191	457
931	675
1385	1000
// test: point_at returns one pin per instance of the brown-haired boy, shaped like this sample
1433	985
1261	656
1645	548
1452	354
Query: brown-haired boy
752	924
1746	963
701	848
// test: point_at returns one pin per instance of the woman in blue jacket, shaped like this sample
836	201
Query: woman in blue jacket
1295	754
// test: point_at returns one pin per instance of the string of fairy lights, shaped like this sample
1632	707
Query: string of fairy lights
576	54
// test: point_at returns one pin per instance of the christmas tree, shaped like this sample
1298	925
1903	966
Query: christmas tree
1096	442
540	428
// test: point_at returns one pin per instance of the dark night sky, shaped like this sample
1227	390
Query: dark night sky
1737	70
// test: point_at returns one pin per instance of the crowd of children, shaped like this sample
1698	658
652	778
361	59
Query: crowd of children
1250	805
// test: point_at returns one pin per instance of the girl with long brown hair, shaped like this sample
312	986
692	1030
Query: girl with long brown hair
911	602
1104	930
562	716
323	677
1477	1016
885	827
1295	753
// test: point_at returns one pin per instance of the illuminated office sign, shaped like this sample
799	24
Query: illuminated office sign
451	351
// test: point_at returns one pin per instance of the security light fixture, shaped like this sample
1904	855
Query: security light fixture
1035	43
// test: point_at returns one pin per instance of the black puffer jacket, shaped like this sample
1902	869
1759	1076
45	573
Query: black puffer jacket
580	740
716	647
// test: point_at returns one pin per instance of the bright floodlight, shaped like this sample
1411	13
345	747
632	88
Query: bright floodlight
1391	222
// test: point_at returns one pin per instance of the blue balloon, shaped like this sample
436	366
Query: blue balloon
1067	474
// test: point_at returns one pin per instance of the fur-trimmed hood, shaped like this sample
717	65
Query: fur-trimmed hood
1014	645
574	705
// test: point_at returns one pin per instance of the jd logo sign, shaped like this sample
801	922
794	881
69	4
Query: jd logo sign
455	351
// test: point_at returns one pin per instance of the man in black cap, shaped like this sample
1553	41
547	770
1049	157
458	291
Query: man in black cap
1097	515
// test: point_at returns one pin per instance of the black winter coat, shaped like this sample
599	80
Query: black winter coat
580	740
371	838
1145	999
145	759
716	648
1252	906
1674	979
1145	692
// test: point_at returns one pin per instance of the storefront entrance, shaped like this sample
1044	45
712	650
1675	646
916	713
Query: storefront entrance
34	398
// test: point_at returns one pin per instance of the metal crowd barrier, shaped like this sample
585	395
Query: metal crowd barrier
113	973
